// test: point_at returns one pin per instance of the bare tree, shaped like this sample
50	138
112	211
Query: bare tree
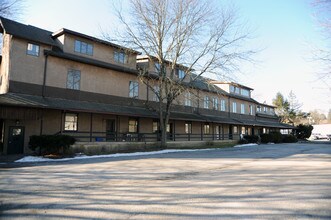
196	36
10	8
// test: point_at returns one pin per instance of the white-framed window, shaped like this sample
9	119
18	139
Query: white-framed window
251	110
206	129
265	109
215	103
234	107
156	93
242	108
73	79
156	126
206	102
71	122
188	127
244	92
83	47
223	106
133	89
133	125
243	130
232	89
188	101
258	108
32	49
235	129
180	73
120	57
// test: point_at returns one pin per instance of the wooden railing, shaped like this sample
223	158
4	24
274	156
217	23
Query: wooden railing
145	137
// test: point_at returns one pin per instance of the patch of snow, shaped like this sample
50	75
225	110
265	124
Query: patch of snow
246	145
82	156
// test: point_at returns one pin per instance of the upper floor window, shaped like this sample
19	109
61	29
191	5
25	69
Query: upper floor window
180	73
215	103
120	57
32	49
156	94
71	122
244	92
133	89
188	101
223	107
157	67
73	79
83	47
265	109
234	107
242	108
258	108
251	110
206	102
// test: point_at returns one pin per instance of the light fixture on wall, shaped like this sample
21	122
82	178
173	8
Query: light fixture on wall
17	122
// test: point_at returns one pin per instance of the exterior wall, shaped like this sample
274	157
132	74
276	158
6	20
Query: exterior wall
93	79
101	52
26	68
5	63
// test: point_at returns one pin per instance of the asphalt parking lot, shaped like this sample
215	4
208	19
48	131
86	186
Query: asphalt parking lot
285	181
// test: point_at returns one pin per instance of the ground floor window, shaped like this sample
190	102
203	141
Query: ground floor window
133	125
243	130
156	126
206	129
249	131
235	129
71	122
188	127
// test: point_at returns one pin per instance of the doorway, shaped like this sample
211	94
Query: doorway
110	130
15	140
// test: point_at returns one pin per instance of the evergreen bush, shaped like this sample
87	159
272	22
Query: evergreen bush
51	144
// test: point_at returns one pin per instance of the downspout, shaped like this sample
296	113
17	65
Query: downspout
44	79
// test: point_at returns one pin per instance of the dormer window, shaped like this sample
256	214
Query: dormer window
244	92
180	73
120	57
83	47
33	49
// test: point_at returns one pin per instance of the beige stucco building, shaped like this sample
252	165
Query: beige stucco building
72	83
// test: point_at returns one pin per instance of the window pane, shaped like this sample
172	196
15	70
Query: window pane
133	125
70	123
77	46
89	49
33	49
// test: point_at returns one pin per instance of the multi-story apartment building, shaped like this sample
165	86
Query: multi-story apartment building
72	83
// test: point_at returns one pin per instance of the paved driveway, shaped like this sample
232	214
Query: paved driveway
286	181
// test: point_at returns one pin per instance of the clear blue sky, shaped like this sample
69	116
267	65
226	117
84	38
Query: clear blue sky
285	28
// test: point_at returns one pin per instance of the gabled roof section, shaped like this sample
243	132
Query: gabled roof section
27	32
67	31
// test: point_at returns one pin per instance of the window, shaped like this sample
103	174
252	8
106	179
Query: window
223	106
71	122
265	109
244	92
258	108
156	93
180	73
188	101
251	110
206	129
242	108
188	127
206	102
83	47
157	67
234	107
155	126
234	89
120	57
215	103
133	89
243	130
235	129
33	49
73	79
249	131
133	125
